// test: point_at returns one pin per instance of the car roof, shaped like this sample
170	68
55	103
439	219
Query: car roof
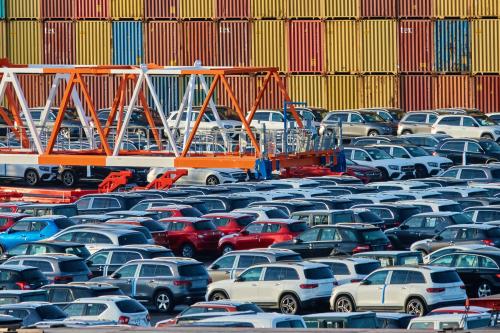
17	268
270	251
139	247
48	256
185	219
21	305
302	264
229	214
386	253
171	260
474	226
106	298
221	303
437	214
86	285
338	314
281	221
106	231
354	260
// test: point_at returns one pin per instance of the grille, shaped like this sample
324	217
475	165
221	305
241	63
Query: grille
408	168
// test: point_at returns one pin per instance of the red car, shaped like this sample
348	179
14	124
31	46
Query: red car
8	219
11	207
230	223
261	234
188	236
175	211
365	173
156	229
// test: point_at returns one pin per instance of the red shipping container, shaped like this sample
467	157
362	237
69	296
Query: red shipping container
416	92
306	46
59	42
162	43
162	9
234	46
34	90
92	9
57	9
415	46
199	42
115	83
378	8
452	91
243	88
487	91
272	98
232	8
415	8
99	88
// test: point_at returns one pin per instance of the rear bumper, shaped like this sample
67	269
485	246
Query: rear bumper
438	305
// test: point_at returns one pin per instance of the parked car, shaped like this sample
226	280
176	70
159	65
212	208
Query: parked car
392	214
273	120
418	122
483	214
475	151
13	296
443	322
7	220
33	312
477	173
175	211
434	205
205	176
230	223
63	294
334	320
357	123
362	141
262	213
324	217
21	277
472	125
258	320
108	202
393	258
91	218
349	270
42	247
457	248
70	126
207	123
32	174
365	173
429	142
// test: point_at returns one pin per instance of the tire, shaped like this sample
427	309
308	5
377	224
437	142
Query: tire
416	307
373	133
31	177
187	251
163	301
385	174
227	249
483	289
212	180
344	304
487	136
421	171
218	296
68	178
406	132
289	304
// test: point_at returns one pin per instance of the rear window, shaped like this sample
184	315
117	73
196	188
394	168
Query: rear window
366	268
192	270
318	273
445	277
297	227
132	239
450	208
42	297
73	266
373	235
107	292
244	221
276	214
159	254
80	251
204	225
249	307
461	219
153	226
50	312
405	213
191	212
293	257
33	275
130	306
63	223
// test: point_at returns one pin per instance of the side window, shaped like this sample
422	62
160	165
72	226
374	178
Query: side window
467	261
66	237
99	239
59	295
252	274
451	173
468	122
329	234
415	277
399	152
21	226
414	222
360	155
377	278
83	203
310	235
226	262
450	121
399	277
485	262
431	222
320	219
75	309
147	271
254	228
449	234
44	266
445	260
473	147
454	146
257	260
416	118
127	271
19	250
272	274
355	118
272	228
339	269
348	235
95	309
276	117
289	274
121	257
100	258
261	116
432	118
221	221
163	270
247	261
38	226
473	174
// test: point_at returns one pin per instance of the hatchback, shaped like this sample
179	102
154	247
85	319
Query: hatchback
7	220
21	277
63	294
230	223
33	312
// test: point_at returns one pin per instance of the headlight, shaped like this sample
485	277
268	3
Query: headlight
393	167
44	168
228	126
497	132
432	164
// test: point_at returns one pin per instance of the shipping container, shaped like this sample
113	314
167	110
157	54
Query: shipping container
485	46
306	46
234	43
266	36
99	89
167	91
199	42
416	92
454	8
267	9
2	9
305	9
487	97
415	46
129	9
232	9
162	43
452	91
485	8
23	9
379	46
342	92
59	42
378	8
452	49
162	9
199	92
92	9
3	39
127	43
115	82
341	9
243	87
273	97
310	89
379	91
93	43
34	89
415	8
24	42
197	9
341	56
57	9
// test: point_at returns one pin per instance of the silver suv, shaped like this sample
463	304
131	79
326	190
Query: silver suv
358	123
418	122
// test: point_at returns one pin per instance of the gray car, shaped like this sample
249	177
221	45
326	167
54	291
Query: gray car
358	123
70	127
33	312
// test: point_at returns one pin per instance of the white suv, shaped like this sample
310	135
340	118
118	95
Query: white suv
414	290
273	120
470	126
288	287
208	122
347	270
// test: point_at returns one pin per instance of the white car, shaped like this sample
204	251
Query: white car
262	213
349	270
288	287
433	205
451	322
272	120
414	290
203	176
457	248
261	320
287	183
118	309
390	167
208	122
396	185
462	192
467	126
32	174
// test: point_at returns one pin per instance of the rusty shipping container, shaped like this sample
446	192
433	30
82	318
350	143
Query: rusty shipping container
314	9
23	9
243	87
454	8
92	9
199	42
485	46
379	91
342	92
162	43
308	88
34	89
450	91
341	56
379	8
2	9
197	9
130	9
261	9
415	46
57	9
199	93
452	46
269	35
487	96
485	8
341	9
161	9
415	8
374	35
234	43
93	43
227	9
3	39
24	42
273	97
99	89
59	42
306	40
416	92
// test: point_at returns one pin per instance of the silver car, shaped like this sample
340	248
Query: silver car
358	123
418	122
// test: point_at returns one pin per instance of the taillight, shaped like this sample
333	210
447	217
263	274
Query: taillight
63	279
498	276
435	290
489	242
434	153
23	285
181	283
389	246
355	280
361	248
309	286
123	320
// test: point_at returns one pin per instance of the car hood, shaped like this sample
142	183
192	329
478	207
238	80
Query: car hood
420	242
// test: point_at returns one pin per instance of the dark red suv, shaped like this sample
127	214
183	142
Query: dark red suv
188	236
8	219
175	211
230	223
261	234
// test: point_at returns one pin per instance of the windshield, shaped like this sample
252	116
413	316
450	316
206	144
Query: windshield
490	146
398	115
276	214
373	236
373	118
484	121
417	151
378	154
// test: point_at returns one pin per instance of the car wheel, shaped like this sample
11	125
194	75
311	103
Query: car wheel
227	249
483	289
68	178
406	132
31	177
415	307
218	296
487	136
385	174
163	301
212	180
373	133
187	251
289	304
344	304
421	171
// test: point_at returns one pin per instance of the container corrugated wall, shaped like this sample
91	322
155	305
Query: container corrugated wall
127	43
93	43
342	92
2	9
374	34
308	88
453	8
234	43
167	90
452	91
379	8
415	8
485	8
199	93
227	9
162	9
416	92
192	9
59	42
379	91
268	9
162	43
129	9
23	9
487	98
266	36
305	46
485	46
92	9
305	9
415	46
452	49
272	98
99	88
341	9
24	42
199	42
57	9
3	39
341	56
243	87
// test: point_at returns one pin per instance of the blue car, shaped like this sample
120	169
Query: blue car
31	229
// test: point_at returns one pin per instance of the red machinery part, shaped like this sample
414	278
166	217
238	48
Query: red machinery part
165	181
114	181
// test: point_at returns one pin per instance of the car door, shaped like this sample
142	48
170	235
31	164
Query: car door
176	235
467	266
417	123
356	126
125	279
402	284
271	286
451	126
361	157
453	150
250	236
269	234
151	276
328	242
371	290
433	225
475	154
38	230
98	263
445	238
303	244
16	234
222	269
120	258
244	288
409	231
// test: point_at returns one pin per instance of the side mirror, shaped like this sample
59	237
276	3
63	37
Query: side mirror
239	279
89	263
404	227
116	276
215	267
245	232
365	283
438	238
297	240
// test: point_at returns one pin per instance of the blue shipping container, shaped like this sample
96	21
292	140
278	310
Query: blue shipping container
127	43
167	90
452	46
2	9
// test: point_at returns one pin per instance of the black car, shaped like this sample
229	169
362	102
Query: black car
70	175
225	203
19	277
391	213
288	206
338	239
348	189
91	218
11	296
109	202
44	246
62	294
477	202
67	210
428	142
423	226
479	270
477	151
122	214
443	182
33	312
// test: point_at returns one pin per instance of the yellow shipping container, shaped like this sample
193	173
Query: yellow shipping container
485	8
451	8
93	43
379	91
485	46
303	9
268	9
132	9
23	9
197	9
269	48
308	88
342	9
3	39
342	92
379	46
24	42
341	55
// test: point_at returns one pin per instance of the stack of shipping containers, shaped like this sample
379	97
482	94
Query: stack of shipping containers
332	54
